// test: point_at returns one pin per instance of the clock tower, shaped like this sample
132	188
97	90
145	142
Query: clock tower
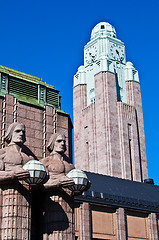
108	118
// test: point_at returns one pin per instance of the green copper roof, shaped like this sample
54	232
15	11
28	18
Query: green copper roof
24	76
28	88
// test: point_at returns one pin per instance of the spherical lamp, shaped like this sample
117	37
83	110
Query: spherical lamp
81	181
37	172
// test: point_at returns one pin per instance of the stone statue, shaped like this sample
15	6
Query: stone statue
15	155
56	163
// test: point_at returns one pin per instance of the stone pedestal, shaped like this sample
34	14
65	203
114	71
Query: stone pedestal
15	212
52	215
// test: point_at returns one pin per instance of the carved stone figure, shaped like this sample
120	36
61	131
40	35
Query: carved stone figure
15	155
56	163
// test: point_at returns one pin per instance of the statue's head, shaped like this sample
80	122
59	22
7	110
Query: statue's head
57	143
16	133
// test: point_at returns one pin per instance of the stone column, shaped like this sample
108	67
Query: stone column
134	99
15	212
153	226
85	222
107	127
79	103
121	224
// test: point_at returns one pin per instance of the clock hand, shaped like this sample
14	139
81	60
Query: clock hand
121	58
117	52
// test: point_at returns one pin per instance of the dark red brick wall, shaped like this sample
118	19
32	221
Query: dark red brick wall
32	118
101	135
79	103
40	124
127	116
134	99
1	101
107	131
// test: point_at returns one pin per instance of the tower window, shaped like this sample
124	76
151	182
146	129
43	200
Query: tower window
102	26
130	149
93	100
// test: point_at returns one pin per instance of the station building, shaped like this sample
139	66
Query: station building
122	203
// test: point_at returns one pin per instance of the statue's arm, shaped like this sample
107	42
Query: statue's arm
45	162
1	165
8	175
68	166
2	154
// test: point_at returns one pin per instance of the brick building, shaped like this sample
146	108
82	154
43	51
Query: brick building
109	144
29	100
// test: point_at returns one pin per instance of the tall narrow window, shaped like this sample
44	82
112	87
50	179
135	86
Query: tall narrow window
87	149
86	133
130	149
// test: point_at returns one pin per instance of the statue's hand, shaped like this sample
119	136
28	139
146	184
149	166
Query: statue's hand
1	165
21	174
65	181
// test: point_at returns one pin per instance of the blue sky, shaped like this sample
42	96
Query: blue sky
46	39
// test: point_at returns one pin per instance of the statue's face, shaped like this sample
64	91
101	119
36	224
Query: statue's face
18	134
60	144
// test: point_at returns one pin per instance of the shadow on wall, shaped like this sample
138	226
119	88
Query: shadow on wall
55	218
48	216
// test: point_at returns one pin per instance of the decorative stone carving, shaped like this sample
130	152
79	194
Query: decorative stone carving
56	163
15	155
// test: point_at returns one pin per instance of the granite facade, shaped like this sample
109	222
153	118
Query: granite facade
109	135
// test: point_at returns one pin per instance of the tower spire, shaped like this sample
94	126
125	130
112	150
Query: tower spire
108	118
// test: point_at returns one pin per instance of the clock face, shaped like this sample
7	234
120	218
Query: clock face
117	52
91	54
